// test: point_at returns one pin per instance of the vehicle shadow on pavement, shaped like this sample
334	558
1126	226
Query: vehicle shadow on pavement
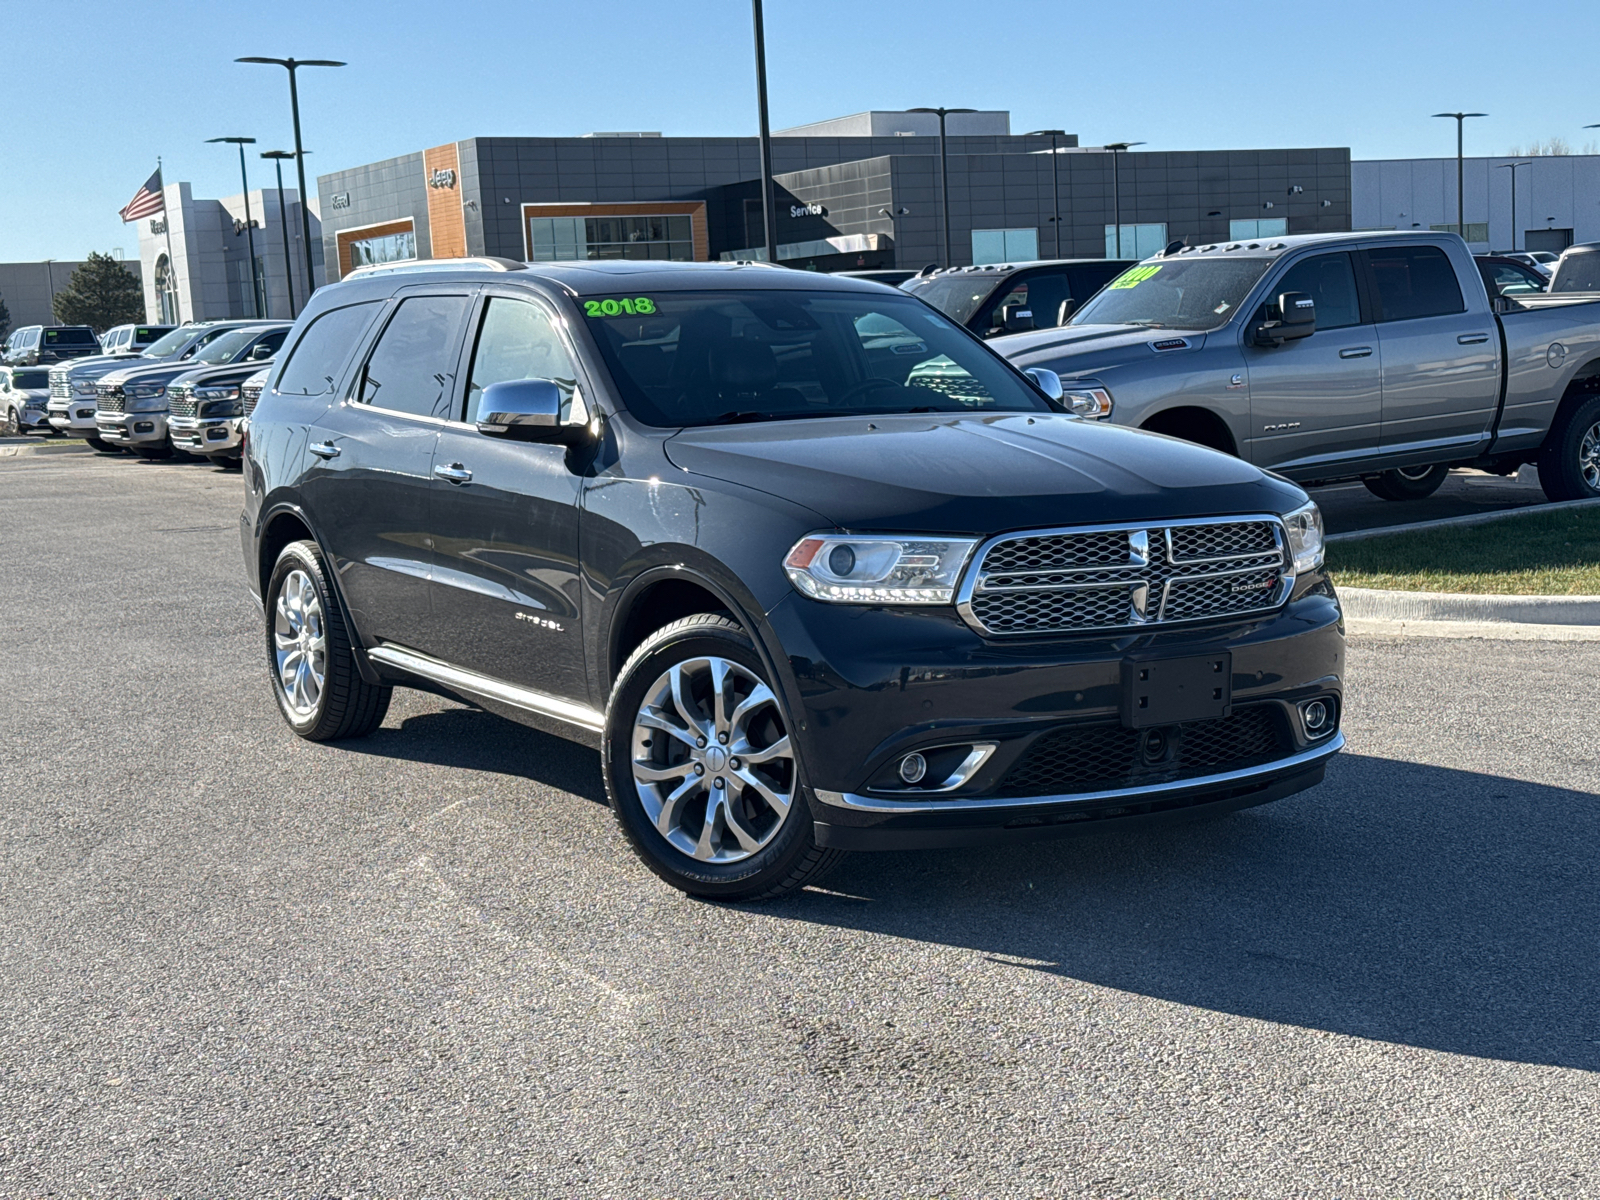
1411	904
476	740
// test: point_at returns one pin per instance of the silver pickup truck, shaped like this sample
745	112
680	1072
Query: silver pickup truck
1372	356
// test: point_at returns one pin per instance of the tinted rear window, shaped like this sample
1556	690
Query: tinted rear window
323	349
149	333
69	337
1578	273
1414	281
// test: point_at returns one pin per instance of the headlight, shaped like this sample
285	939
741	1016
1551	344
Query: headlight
216	393
1305	537
220	408
1087	401
84	387
878	568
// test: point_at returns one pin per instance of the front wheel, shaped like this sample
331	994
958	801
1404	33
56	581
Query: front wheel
1569	464
1407	483
100	444
315	679
700	769
13	424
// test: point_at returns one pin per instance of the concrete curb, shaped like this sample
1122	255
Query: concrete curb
1375	604
1503	631
1503	514
22	450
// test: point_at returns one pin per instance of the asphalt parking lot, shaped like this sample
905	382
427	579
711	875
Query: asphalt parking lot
425	963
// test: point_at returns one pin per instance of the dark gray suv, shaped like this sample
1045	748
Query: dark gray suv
811	566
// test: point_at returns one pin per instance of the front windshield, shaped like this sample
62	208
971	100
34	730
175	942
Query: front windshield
1192	293
227	346
706	358
171	343
956	296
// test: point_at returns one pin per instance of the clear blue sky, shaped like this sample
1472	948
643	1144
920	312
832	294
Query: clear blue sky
94	91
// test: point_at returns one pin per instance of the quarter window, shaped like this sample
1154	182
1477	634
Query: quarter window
412	366
323	349
1414	281
518	341
1330	280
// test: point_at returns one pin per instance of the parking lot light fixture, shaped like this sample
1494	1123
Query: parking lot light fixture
769	208
292	65
249	221
277	157
944	173
1461	203
1512	167
1117	148
1055	180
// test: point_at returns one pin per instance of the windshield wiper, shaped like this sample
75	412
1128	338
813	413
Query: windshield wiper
740	418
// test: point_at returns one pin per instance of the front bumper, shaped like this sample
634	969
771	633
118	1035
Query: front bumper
73	416
131	428
206	435
870	686
33	416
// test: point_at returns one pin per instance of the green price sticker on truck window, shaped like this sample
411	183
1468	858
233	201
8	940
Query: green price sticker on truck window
1133	276
627	306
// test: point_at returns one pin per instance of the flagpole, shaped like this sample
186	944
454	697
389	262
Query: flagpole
172	263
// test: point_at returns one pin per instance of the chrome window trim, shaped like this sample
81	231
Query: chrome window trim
872	804
974	573
461	679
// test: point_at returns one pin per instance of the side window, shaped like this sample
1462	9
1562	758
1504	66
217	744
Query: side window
517	341
1414	281
323	349
1330	280
412	365
1516	281
268	346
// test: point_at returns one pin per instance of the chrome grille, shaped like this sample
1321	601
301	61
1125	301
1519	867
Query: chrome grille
60	388
108	398
181	401
250	395
1070	580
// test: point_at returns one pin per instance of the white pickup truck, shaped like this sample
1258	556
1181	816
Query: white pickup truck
1372	356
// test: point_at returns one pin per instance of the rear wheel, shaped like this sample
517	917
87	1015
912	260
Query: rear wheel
13	426
315	679
700	769
102	445
154	452
1408	483
1569	464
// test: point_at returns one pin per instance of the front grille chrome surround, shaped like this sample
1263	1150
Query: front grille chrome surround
1131	576
250	395
109	398
181	401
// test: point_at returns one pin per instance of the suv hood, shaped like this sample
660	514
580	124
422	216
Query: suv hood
962	474
150	372
221	373
1077	349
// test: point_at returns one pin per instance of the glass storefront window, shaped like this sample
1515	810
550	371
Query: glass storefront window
390	247
1004	245
1249	231
643	236
1138	241
166	291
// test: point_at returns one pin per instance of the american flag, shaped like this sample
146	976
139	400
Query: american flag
147	200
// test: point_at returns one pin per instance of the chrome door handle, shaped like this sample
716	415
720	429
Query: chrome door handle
1356	352
1472	339
454	472
324	449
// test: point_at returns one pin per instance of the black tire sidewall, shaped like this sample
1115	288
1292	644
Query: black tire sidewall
1569	478
299	556
749	877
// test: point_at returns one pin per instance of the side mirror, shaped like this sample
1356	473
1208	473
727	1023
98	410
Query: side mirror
527	409
1016	319
1297	319
260	352
1064	313
1047	381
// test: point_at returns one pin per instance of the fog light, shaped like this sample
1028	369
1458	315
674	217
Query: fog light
216	435
144	427
913	767
1317	716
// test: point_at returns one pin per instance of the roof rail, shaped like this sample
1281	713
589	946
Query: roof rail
423	265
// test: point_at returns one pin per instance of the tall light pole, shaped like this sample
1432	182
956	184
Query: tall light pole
1512	167
292	65
1461	202
1055	180
249	221
277	157
1117	148
944	173
769	212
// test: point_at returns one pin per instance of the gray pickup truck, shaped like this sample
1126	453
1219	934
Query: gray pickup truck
1372	356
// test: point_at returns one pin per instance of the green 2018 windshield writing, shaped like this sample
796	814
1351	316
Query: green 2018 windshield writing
1134	276
629	306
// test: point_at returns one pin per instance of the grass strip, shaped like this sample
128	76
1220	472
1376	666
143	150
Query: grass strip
1541	554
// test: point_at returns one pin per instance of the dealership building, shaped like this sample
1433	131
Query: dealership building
855	192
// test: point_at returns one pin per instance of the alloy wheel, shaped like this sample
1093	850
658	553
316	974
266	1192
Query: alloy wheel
1589	457
300	644
712	762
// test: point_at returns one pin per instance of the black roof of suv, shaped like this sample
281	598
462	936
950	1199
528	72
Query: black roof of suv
1001	298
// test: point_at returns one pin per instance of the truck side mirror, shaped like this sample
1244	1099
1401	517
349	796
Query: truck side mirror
1064	313
1297	318
1014	318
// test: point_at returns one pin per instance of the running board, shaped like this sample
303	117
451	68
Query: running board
461	680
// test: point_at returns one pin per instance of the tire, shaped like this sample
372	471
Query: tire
1569	463
100	444
304	626
13	427
752	850
1408	483
225	462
